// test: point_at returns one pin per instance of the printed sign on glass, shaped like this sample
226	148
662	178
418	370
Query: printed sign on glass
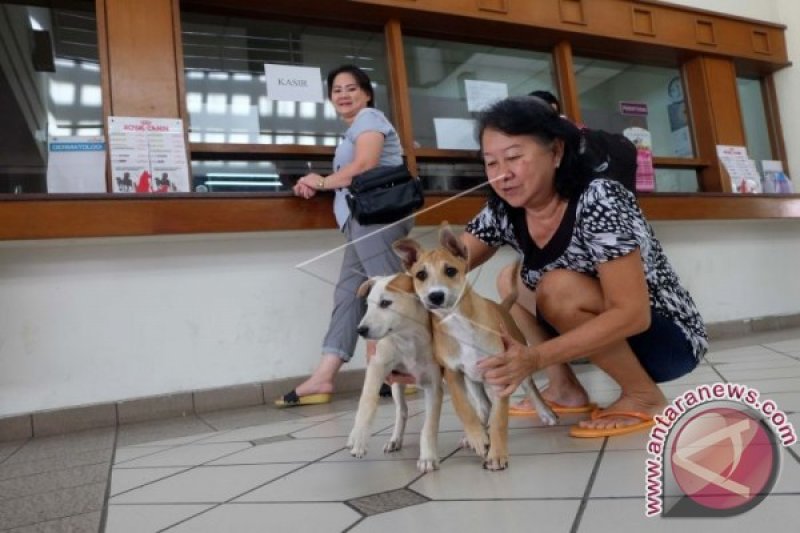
296	84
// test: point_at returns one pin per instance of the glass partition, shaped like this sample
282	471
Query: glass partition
226	97
453	177
50	95
449	81
676	180
274	175
615	96
751	101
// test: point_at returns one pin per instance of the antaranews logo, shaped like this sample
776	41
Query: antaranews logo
714	451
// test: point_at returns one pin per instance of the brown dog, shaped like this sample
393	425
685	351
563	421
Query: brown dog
466	329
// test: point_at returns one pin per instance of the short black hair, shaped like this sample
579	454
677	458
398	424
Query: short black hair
532	116
548	97
360	76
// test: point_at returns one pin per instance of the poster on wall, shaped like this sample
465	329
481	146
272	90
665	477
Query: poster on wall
76	164
633	108
296	84
147	155
678	119
481	94
455	133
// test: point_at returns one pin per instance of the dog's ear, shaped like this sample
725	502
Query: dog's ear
402	283
365	287
451	242
408	250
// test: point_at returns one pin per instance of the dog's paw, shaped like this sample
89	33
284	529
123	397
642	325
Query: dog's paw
548	417
477	441
358	451
425	465
357	442
496	463
393	446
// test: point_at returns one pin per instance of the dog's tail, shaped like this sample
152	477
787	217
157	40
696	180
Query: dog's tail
509	300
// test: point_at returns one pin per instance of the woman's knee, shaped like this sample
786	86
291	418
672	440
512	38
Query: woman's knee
563	293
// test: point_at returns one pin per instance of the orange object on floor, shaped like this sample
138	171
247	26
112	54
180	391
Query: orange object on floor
556	407
646	422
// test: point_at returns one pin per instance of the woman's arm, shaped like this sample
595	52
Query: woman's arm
478	251
625	312
369	146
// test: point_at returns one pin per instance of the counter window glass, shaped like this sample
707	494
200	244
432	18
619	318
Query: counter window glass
751	101
615	96
449	81
226	94
272	176
50	96
445	177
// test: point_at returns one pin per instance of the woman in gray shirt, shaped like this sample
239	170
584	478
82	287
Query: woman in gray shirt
370	141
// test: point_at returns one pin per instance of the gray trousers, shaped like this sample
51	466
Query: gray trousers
363	258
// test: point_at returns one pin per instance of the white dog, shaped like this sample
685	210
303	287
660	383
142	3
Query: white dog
401	324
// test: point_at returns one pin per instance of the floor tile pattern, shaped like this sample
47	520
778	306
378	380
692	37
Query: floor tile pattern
263	469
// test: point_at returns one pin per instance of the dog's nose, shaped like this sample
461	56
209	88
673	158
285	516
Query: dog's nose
363	330
436	298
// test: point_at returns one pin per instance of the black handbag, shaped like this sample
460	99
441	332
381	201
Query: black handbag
384	194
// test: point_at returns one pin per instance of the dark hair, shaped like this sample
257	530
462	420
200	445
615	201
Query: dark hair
548	97
361	77
528	115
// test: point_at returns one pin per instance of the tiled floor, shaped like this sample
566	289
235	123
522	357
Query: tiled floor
262	469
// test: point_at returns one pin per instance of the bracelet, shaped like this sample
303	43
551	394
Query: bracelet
321	184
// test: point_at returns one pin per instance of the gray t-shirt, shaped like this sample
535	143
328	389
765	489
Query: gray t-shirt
368	119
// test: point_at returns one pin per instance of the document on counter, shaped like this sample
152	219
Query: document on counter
76	164
740	168
147	155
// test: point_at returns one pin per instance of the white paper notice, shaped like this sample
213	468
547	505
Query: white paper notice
740	168
481	94
455	133
297	84
76	164
147	155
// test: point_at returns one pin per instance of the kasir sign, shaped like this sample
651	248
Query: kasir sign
291	82
295	84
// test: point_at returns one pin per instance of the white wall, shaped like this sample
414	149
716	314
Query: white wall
97	320
763	10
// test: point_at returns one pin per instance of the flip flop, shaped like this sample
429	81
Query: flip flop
291	399
647	422
386	390
556	407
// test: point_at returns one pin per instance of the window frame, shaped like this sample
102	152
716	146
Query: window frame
62	216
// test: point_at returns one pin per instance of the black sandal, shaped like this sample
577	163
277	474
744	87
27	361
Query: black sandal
291	399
